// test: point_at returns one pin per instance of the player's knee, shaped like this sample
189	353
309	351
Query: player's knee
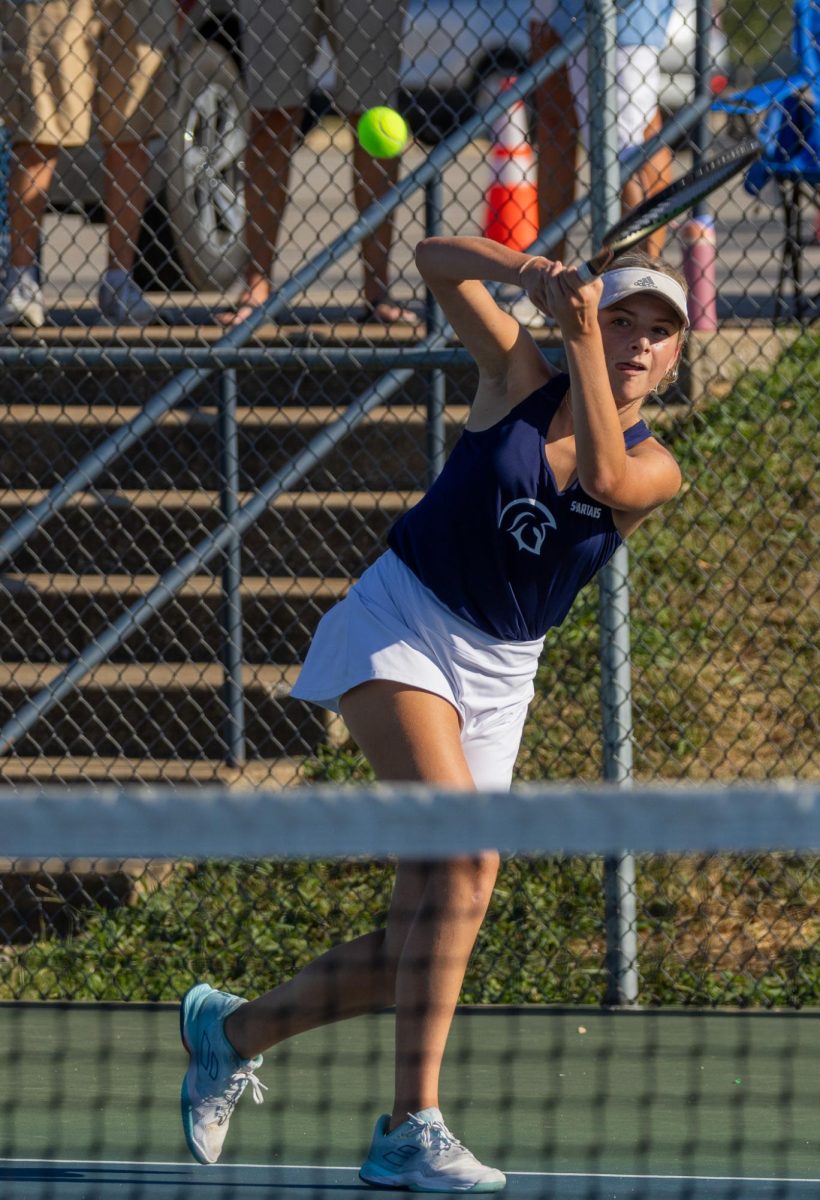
473	878
486	867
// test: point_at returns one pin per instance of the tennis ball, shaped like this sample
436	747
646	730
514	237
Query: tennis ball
382	132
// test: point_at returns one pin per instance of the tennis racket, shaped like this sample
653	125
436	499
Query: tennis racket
669	203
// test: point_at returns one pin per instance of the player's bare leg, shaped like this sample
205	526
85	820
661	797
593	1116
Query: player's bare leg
418	961
410	735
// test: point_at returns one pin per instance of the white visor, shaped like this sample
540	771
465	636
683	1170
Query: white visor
623	282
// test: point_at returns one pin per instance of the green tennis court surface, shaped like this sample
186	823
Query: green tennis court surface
570	1104
94	1181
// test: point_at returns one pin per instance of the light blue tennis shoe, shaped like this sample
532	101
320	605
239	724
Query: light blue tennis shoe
421	1155
216	1076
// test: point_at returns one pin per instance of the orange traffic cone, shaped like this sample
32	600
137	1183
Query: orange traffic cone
512	198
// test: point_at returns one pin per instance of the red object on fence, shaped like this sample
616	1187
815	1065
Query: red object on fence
699	251
512	197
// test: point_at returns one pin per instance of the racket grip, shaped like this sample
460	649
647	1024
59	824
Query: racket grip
595	266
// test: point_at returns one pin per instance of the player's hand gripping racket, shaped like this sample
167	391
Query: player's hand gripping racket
669	203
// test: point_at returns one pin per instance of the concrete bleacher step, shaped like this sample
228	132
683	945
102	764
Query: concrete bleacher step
52	617
95	769
387	450
266	381
162	710
326	533
155	710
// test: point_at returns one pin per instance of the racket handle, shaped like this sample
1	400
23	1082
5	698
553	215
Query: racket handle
596	265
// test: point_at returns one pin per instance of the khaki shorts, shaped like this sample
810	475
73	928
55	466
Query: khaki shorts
61	60
281	38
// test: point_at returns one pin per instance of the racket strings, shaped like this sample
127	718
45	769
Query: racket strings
681	195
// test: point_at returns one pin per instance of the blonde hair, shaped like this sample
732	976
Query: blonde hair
638	258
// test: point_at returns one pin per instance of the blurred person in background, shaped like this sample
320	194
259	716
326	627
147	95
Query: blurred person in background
62	61
562	103
280	41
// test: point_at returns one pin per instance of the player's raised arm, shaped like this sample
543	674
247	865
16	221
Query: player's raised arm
456	270
620	343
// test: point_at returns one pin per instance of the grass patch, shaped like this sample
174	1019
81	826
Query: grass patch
716	931
723	604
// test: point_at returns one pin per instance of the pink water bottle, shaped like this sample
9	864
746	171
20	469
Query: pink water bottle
699	251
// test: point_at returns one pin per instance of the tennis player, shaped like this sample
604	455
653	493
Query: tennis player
430	660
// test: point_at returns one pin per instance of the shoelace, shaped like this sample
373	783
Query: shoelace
434	1135
238	1082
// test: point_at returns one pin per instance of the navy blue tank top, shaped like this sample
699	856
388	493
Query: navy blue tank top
495	540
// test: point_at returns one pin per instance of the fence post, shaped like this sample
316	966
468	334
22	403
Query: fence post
5	168
704	18
616	710
436	380
616	703
232	642
698	233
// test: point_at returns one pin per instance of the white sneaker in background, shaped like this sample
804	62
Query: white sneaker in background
23	301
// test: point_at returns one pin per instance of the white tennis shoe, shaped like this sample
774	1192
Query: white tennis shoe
216	1076
422	1155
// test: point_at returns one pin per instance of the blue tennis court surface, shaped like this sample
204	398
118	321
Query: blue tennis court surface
26	1180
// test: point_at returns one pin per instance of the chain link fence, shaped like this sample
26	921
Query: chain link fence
712	930
179	166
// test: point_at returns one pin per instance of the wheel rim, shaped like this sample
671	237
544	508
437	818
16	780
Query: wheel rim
214	144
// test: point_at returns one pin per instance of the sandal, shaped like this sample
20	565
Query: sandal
235	316
387	312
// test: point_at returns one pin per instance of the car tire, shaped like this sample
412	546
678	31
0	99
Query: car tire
203	165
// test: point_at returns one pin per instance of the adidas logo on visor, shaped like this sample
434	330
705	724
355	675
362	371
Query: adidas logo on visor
623	282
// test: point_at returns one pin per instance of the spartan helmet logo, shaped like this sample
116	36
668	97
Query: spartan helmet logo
529	521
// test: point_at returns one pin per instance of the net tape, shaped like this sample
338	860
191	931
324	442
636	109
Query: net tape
413	821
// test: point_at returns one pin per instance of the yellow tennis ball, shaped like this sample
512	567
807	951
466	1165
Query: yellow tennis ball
382	132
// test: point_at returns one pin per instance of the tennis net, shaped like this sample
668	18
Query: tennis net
640	1016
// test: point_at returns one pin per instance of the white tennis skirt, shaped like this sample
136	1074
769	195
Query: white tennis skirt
389	626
